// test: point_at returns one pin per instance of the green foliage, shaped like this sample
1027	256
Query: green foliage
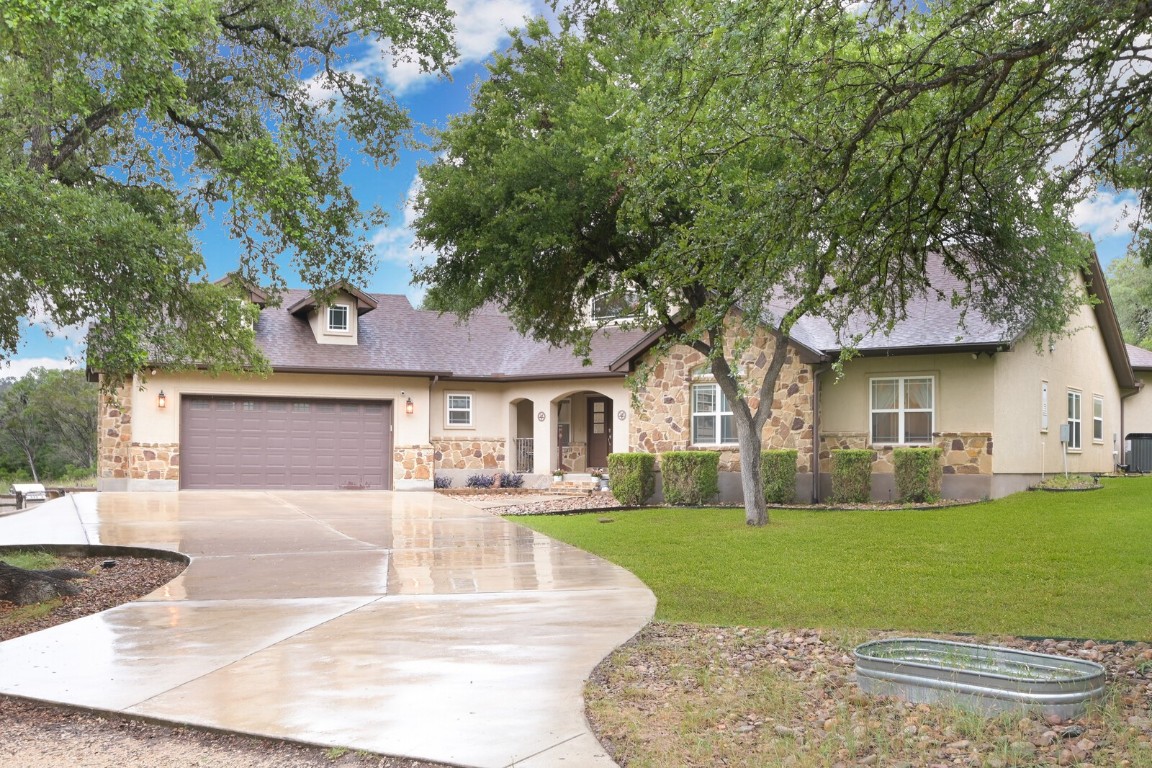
918	474
632	477
715	156
690	478
48	425
974	568
852	476
778	473
126	120
1130	285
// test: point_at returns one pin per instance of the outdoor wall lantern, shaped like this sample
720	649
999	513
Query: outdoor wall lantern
161	400
409	408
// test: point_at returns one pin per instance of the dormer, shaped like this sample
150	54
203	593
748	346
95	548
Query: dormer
334	313
251	292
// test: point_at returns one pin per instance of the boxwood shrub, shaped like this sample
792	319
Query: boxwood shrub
851	476
632	477
917	474
691	478
778	475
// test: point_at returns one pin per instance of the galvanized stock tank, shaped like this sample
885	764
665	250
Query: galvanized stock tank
984	678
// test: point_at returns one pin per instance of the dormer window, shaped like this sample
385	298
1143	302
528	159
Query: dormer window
338	318
613	307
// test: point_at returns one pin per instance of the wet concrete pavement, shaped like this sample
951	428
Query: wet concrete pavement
409	624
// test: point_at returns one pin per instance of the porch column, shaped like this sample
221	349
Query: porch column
544	438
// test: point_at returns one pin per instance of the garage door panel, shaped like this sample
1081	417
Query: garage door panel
231	442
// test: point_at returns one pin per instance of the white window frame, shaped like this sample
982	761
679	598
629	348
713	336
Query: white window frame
901	410
459	408
1097	418
717	415
1075	419
628	298
347	318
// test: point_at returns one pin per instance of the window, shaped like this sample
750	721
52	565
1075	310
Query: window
1073	420
459	410
610	306
712	422
338	317
903	410
1097	418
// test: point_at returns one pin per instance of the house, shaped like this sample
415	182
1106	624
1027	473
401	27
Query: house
1137	426
994	401
368	392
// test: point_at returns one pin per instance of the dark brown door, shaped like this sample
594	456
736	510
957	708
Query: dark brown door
599	431
245	442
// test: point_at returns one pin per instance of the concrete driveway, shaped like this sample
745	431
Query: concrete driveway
404	623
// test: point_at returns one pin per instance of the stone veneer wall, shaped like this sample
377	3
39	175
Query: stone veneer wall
574	457
154	461
663	419
475	453
122	459
115	434
964	453
412	462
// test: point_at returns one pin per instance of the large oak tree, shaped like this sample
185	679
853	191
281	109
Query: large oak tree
782	159
124	122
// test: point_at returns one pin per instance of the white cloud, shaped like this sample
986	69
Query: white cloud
20	367
397	244
1105	214
481	27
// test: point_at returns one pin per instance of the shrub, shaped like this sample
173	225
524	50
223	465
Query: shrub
510	479
851	477
480	481
632	477
778	475
441	481
917	474
690	477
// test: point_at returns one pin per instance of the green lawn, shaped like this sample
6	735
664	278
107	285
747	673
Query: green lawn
1045	564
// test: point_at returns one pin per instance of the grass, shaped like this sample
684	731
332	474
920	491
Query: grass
1031	564
31	560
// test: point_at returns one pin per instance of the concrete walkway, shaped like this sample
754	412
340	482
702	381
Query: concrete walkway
409	624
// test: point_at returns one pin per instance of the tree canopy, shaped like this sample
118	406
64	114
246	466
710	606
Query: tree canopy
48	425
124	122
1130	284
777	160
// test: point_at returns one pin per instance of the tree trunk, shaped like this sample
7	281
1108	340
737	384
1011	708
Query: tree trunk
24	587
748	437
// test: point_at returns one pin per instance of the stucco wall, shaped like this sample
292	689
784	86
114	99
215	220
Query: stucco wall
1078	361
662	421
1138	407
149	457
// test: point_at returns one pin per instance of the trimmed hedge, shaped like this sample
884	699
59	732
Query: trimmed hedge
632	477
691	478
851	476
917	474
778	475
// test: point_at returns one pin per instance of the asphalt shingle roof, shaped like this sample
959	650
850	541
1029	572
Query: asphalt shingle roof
1140	357
397	338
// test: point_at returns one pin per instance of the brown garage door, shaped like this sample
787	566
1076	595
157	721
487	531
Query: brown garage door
237	442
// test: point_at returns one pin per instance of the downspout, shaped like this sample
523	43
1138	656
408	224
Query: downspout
816	371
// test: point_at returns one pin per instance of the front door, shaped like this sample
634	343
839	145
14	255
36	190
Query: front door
599	431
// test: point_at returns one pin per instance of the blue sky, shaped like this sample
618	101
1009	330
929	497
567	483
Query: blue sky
481	26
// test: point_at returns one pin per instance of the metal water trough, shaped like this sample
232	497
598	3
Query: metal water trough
984	678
